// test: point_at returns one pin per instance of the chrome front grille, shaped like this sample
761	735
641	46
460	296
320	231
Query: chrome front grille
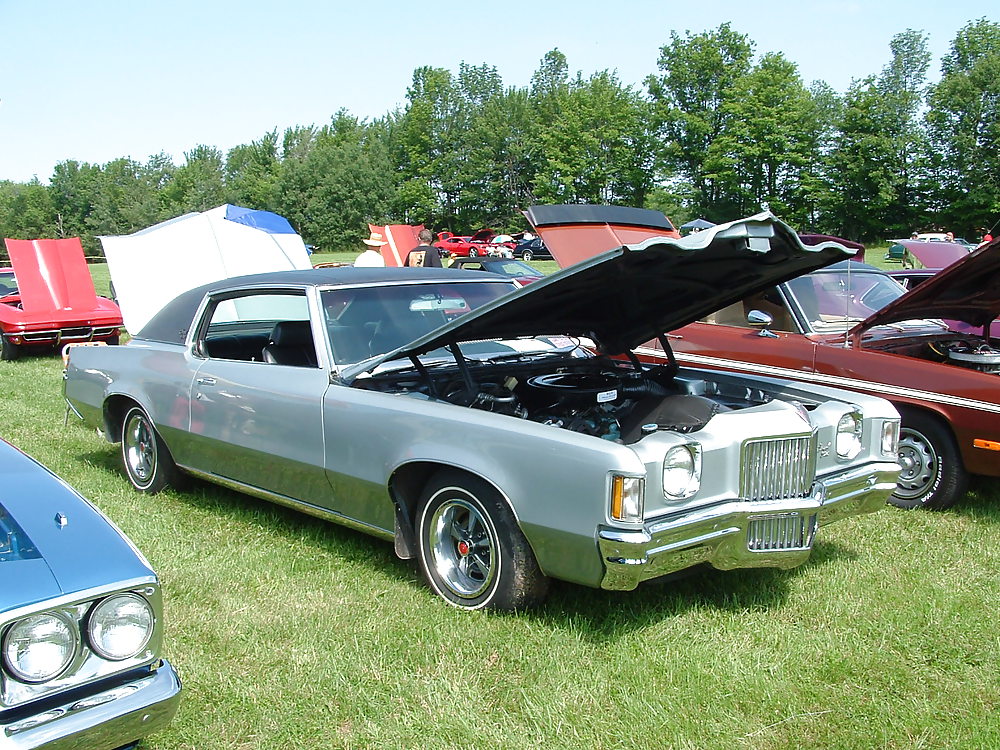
781	532
777	468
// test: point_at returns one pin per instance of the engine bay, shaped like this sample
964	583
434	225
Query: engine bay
608	398
961	350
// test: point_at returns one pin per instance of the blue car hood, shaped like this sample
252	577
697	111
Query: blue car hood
53	542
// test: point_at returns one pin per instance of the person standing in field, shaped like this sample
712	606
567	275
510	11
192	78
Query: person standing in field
372	256
424	254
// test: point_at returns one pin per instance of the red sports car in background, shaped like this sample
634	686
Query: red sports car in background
850	326
481	243
48	299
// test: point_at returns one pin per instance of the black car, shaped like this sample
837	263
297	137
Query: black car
533	249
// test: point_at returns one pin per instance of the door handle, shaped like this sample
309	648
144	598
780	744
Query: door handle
205	381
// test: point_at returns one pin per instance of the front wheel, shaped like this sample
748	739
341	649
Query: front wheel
932	475
8	349
472	551
148	463
473	252
526	256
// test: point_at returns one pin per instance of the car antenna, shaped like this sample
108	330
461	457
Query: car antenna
847	308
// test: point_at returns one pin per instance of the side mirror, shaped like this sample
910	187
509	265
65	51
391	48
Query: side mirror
763	321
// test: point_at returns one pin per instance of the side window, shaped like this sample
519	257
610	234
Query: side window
260	327
769	302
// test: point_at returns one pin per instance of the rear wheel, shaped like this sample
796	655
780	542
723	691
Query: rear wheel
8	349
471	549
932	475
148	463
526	256
473	252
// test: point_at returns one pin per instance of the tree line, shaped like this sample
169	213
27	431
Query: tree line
717	132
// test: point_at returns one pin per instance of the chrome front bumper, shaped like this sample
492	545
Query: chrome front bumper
100	721
741	534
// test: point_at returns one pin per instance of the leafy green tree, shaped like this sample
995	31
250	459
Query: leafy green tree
343	182
698	77
26	211
199	184
768	139
252	172
599	149
964	122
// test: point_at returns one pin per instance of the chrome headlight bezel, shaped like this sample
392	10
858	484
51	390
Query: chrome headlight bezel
40	632
684	464
850	431
116	612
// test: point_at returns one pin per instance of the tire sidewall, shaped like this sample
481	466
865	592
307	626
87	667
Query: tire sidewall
951	479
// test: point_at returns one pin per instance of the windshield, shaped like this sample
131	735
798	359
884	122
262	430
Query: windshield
832	298
8	284
369	321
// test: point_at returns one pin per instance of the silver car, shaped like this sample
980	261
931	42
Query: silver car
81	622
501	436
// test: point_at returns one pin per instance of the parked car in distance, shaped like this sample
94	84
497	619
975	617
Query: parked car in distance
532	249
81	621
851	326
366	396
518	270
471	246
47	299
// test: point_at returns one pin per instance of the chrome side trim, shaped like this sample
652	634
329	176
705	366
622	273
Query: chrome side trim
289	502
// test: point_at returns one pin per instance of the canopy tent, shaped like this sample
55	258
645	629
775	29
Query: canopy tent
152	266
697	225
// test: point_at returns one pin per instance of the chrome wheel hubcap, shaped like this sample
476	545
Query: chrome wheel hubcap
462	548
140	451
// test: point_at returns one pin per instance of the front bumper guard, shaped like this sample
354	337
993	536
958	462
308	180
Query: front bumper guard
102	721
720	534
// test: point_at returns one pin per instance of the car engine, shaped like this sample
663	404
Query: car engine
968	353
602	398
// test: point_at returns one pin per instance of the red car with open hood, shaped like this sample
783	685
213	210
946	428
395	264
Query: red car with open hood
48	299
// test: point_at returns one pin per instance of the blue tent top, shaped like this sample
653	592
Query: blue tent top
263	220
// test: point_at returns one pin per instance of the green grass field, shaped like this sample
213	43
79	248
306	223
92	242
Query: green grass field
290	632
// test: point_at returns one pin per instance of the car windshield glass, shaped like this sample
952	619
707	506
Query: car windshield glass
832	298
8	284
369	321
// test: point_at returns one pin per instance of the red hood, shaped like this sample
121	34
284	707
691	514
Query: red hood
52	275
575	233
968	290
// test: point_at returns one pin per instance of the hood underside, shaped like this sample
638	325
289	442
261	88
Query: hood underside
968	290
624	296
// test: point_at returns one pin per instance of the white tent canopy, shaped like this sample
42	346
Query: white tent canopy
151	267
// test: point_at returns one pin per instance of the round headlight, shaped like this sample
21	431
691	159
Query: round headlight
39	647
849	435
120	627
681	472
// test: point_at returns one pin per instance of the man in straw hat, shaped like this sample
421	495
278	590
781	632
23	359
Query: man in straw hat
372	256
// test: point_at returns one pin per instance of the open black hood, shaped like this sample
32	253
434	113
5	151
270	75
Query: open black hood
631	294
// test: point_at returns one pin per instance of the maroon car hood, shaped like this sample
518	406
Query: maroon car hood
52	276
573	233
968	290
935	254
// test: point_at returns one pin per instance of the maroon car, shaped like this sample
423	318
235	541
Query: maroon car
48	299
851	326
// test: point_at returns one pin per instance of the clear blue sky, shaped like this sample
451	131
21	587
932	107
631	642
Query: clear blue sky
98	80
